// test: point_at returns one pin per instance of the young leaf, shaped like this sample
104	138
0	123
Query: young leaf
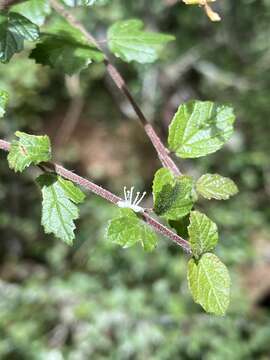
174	200
162	177
3	102
29	149
127	229
72	191
128	41
58	209
14	29
200	128
214	186
203	234
66	49
34	10
209	283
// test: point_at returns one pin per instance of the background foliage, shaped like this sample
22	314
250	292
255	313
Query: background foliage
98	301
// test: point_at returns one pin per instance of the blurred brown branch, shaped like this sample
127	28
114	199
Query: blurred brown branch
4	4
73	113
162	151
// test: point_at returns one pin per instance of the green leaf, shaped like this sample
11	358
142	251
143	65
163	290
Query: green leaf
29	149
209	283
58	210
34	10
65	48
14	29
73	192
200	128
214	186
203	233
162	177
173	196
127	229
3	102
129	42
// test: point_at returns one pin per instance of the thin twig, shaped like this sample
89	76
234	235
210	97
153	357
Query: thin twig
162	151
107	195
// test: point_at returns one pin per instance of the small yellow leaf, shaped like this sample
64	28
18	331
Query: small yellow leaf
197	2
213	16
192	2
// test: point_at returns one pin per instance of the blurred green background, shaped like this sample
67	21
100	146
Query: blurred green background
98	301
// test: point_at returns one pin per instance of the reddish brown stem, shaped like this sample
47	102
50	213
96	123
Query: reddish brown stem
117	78
107	195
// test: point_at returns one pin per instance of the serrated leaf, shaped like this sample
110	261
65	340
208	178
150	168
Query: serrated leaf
214	186
173	196
34	10
203	233
72	191
127	229
200	128
128	41
64	54
14	29
29	149
3	102
58	209
209	283
65	48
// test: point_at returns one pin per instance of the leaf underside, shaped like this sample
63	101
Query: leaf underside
214	186
58	208
203	233
127	229
128	41
209	283
34	10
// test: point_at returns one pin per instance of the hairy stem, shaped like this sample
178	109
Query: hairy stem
107	195
117	78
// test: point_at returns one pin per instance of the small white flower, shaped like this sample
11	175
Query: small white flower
129	202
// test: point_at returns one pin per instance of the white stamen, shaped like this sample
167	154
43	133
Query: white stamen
137	197
129	202
143	195
131	194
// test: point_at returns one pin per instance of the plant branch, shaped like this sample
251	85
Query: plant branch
107	195
162	151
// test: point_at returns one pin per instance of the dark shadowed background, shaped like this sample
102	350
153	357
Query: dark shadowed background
96	300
